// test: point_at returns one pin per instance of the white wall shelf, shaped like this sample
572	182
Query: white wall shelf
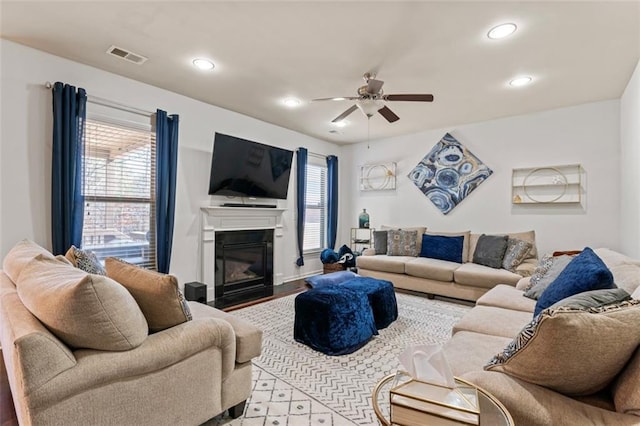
547	185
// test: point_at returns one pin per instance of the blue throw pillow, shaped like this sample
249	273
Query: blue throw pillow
584	273
333	278
442	247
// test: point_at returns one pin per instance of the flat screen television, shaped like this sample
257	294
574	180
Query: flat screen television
243	168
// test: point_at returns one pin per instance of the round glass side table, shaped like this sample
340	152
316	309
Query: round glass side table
492	412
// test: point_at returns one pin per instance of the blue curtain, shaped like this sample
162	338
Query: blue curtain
332	200
166	169
301	198
67	202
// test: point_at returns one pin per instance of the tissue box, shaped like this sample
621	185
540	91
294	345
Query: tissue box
417	403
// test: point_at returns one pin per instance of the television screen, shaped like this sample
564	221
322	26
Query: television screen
243	168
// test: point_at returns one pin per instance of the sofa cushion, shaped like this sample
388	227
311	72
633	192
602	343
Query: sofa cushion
464	234
508	297
543	280
402	243
85	260
248	336
573	351
493	321
517	251
83	310
384	263
333	278
419	231
19	256
468	351
490	250
483	276
380	242
158	295
434	269
585	272
442	247
625	390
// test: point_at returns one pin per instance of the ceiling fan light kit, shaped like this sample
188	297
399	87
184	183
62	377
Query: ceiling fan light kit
371	99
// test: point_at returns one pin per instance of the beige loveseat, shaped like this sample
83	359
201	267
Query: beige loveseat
466	281
185	374
499	316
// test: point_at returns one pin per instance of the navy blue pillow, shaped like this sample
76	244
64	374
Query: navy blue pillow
442	247
584	273
333	278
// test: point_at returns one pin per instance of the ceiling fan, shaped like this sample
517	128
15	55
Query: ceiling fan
371	99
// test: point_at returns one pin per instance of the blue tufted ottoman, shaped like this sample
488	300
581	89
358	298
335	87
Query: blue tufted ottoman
333	320
381	295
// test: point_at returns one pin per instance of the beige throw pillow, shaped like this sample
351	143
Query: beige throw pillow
19	256
81	309
158	295
625	391
573	351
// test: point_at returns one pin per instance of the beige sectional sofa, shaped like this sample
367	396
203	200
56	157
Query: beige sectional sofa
466	281
184	374
498	317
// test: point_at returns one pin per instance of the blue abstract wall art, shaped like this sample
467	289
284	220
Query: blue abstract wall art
449	173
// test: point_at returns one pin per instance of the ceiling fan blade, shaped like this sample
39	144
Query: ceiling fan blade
344	114
340	98
374	86
409	98
388	114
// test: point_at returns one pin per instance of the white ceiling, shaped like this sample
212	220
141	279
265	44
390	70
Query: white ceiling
264	51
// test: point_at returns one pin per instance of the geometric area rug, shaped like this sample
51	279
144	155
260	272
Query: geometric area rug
293	385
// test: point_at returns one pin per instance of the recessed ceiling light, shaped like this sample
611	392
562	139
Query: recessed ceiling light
520	81
340	123
203	64
291	102
502	31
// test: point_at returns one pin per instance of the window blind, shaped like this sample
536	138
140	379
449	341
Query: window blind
119	192
316	208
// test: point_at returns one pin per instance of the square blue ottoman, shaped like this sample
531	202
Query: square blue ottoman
381	295
333	320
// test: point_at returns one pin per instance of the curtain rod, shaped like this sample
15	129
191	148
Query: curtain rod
313	154
111	104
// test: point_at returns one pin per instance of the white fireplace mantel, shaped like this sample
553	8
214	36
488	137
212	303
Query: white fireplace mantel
220	218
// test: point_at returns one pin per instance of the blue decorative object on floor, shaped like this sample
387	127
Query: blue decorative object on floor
333	320
317	281
381	295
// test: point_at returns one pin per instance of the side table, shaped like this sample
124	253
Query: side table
492	412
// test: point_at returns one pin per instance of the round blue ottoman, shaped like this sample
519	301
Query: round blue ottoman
381	295
333	320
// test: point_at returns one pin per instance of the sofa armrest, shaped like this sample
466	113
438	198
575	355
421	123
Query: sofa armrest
535	405
368	252
159	351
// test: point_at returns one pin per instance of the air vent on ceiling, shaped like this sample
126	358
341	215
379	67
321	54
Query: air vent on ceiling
127	55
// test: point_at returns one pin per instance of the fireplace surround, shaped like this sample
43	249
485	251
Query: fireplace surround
223	228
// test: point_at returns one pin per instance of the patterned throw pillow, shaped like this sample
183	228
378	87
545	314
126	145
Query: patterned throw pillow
558	264
158	295
85	260
573	351
541	268
517	252
402	243
380	242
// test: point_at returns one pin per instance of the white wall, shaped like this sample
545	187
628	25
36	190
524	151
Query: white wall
25	152
588	134
630	170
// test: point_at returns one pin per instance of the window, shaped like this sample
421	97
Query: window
316	208
119	191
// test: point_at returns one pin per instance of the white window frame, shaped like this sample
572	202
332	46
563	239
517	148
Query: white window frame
317	162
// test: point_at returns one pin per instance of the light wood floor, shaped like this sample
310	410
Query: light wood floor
8	413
